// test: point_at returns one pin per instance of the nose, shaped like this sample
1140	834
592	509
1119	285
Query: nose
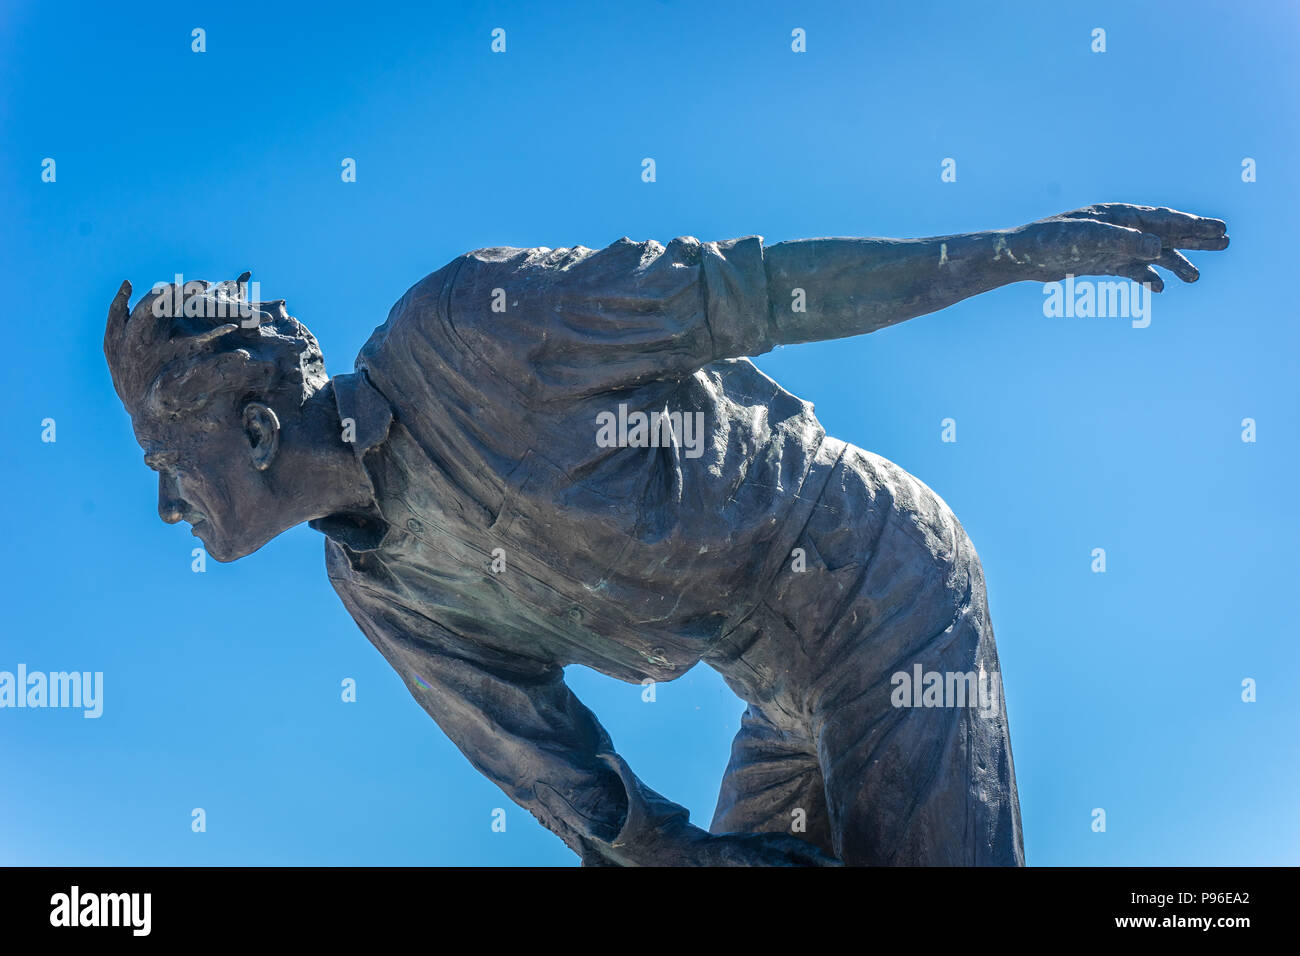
169	502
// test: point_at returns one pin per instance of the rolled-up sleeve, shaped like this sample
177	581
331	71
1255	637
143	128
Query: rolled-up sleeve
564	323
736	301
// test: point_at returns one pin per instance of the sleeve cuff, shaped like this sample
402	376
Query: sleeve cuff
652	824
736	302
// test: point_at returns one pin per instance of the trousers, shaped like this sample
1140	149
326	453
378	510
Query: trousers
876	727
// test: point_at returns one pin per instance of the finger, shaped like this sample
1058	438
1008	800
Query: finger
1139	245
1179	265
1115	213
1142	273
1199	227
1191	242
1177	229
1102	240
1181	225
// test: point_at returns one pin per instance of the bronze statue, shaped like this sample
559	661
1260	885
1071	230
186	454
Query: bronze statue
556	456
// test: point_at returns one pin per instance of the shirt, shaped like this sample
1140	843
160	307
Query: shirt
508	540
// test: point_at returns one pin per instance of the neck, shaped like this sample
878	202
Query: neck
322	469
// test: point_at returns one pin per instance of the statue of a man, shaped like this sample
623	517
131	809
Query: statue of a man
561	456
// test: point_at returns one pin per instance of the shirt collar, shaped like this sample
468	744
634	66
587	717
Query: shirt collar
366	417
365	408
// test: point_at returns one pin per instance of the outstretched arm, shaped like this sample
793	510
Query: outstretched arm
562	324
854	286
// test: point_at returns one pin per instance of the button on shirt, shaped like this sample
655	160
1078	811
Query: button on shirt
508	539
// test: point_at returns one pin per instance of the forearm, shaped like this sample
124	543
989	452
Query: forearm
546	751
590	799
833	288
657	832
565	772
519	724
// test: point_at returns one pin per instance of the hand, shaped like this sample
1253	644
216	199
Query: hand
755	849
680	843
1114	239
658	832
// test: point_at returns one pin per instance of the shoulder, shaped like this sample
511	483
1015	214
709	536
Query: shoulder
624	252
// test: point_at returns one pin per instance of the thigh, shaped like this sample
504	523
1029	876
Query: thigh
916	757
912	774
773	784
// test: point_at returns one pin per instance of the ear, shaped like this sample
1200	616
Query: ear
263	431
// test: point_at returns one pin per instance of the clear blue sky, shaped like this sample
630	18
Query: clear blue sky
1123	688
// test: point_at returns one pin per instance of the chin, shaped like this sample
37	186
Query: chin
224	551
218	549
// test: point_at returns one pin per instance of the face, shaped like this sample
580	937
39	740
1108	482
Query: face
208	478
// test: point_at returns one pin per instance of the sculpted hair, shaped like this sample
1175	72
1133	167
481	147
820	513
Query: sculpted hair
183	348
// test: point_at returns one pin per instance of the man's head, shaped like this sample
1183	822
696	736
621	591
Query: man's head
212	384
